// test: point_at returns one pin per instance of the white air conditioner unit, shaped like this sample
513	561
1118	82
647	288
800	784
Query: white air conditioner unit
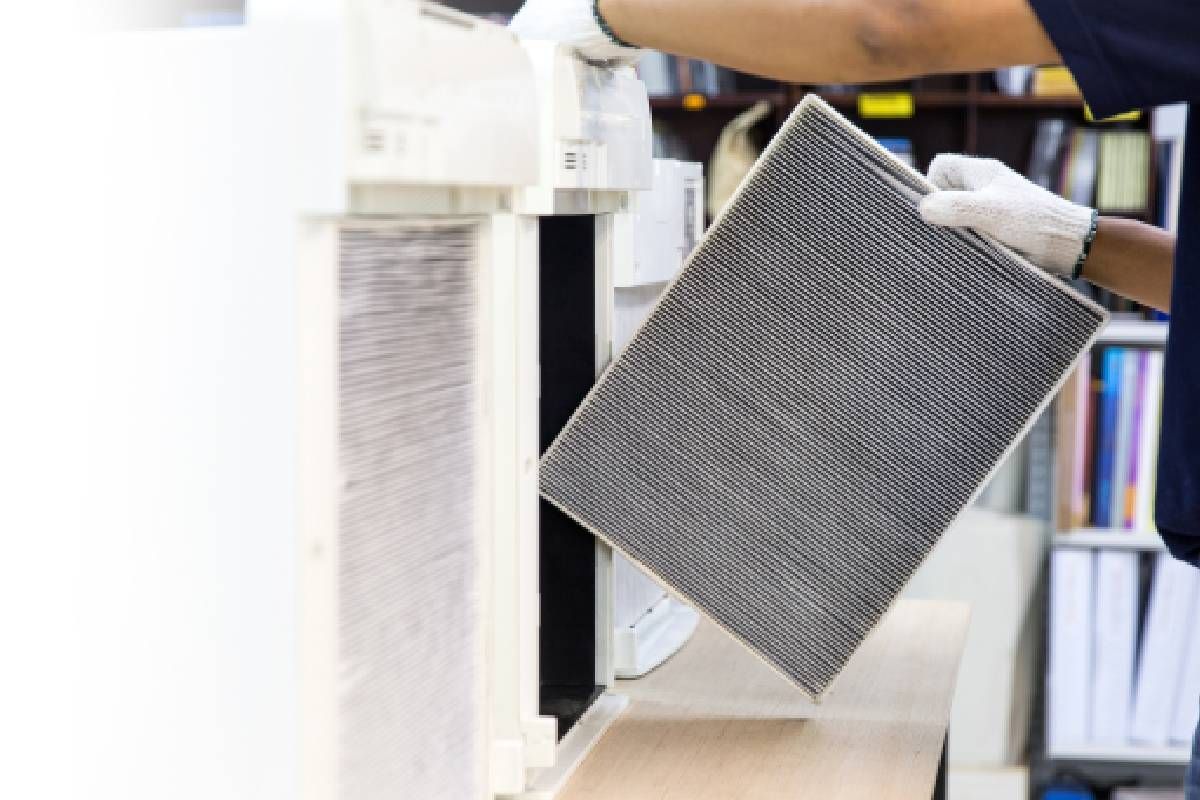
338	224
418	420
457	628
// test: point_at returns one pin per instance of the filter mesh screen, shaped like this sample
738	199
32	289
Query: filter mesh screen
815	399
408	607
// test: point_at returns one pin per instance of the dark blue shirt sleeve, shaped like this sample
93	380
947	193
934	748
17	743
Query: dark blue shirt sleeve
1127	54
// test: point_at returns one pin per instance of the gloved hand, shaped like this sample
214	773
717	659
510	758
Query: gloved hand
577	23
983	194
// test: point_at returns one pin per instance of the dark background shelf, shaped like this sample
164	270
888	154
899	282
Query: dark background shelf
966	118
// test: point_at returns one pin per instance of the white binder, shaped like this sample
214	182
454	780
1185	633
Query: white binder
1187	696
1070	659
1115	640
1163	642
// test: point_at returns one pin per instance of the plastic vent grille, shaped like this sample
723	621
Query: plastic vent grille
826	385
408	624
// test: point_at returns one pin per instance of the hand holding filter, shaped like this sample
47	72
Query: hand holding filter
577	23
986	195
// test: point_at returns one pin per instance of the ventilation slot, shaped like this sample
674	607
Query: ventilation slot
575	160
374	140
824	388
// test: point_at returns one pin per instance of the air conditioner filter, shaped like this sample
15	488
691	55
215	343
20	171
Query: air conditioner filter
817	396
408	618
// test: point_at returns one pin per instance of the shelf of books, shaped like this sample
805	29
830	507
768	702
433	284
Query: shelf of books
714	94
1025	117
1123	658
1107	423
1123	629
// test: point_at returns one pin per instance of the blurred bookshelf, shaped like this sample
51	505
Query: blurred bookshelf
1122	330
1133	596
849	100
1109	538
1040	128
698	102
1125	755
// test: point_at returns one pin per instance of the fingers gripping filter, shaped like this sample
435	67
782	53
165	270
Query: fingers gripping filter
825	386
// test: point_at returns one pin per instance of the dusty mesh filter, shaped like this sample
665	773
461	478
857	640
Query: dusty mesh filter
825	386
408	626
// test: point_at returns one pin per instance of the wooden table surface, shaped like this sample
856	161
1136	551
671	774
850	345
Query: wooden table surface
716	722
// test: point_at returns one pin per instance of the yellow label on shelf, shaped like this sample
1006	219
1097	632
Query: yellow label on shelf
694	102
886	105
1128	116
1054	82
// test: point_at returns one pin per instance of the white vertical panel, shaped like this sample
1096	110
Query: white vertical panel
512	413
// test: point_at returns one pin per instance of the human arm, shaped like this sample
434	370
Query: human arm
809	41
845	41
1131	258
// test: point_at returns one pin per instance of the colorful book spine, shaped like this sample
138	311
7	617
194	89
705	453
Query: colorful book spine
1107	409
1089	443
1148	443
1124	433
1129	505
1080	454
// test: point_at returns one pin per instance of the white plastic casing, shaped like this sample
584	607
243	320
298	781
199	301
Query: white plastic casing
594	153
440	118
436	97
593	123
667	220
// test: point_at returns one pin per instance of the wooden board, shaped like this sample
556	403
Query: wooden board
716	722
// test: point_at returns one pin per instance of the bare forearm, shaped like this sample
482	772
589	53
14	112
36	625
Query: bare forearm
1132	259
836	41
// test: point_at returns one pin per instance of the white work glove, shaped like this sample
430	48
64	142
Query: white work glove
983	194
573	22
